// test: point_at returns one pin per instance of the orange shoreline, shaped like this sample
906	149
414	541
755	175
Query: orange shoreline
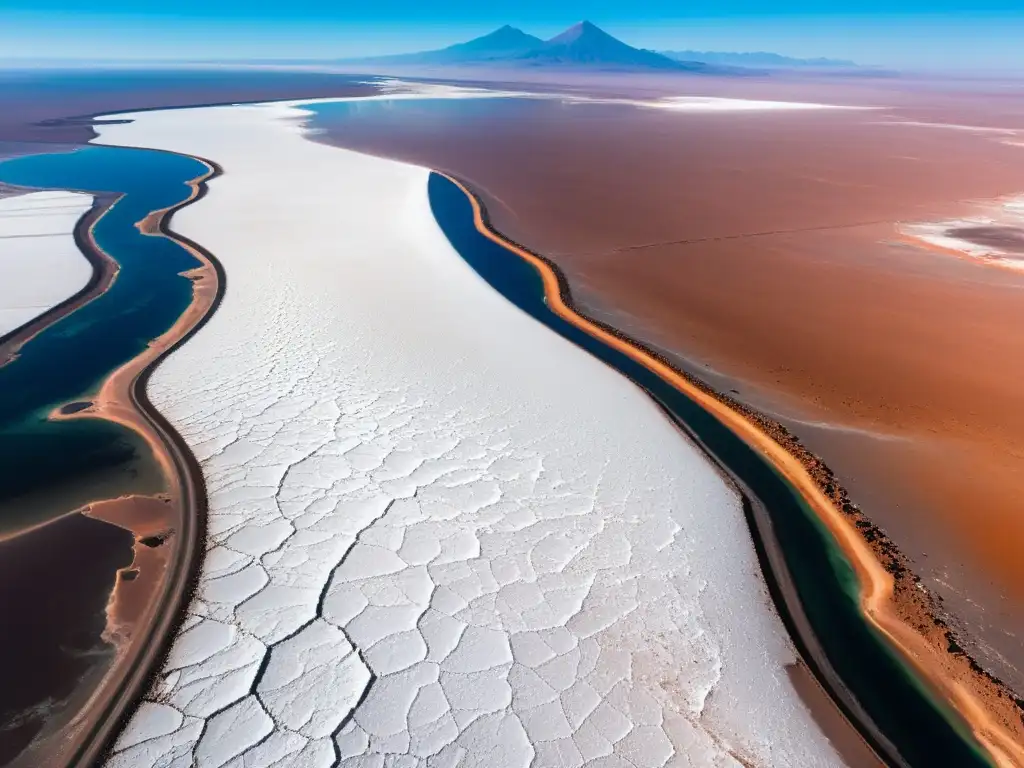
122	399
975	707
159	580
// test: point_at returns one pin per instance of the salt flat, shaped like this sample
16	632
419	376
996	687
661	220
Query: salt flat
394	89
40	265
438	533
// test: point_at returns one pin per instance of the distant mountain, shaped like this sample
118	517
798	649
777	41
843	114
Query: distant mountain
583	45
586	44
505	43
759	59
501	43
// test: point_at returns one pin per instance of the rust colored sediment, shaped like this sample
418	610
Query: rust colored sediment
143	611
983	704
152	520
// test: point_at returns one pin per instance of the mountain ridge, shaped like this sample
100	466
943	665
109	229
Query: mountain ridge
756	59
583	45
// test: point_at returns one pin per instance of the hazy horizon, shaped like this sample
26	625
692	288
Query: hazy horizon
950	36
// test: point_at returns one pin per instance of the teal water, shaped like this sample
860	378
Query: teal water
58	577
825	582
70	359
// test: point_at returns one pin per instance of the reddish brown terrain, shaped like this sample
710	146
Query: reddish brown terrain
761	251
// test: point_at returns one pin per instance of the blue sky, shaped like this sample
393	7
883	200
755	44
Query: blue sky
953	34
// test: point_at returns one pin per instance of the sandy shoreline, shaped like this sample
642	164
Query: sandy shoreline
988	708
141	624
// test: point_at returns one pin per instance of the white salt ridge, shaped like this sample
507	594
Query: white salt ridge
497	552
1007	213
713	104
39	260
402	90
953	127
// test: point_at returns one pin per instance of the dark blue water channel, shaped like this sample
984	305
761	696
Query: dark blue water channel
57	569
69	360
922	730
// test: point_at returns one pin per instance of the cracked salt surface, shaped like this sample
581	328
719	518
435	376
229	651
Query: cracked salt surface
439	535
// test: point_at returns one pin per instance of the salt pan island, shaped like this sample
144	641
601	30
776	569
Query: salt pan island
438	533
41	265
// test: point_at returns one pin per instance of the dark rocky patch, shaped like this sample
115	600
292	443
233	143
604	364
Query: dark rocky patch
75	407
154	541
1004	238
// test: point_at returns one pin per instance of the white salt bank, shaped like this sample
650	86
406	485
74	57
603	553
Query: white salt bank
39	260
393	89
439	534
995	237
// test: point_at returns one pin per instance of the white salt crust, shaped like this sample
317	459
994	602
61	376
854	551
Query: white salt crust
40	265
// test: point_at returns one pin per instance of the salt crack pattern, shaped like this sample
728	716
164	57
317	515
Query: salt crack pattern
384	587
